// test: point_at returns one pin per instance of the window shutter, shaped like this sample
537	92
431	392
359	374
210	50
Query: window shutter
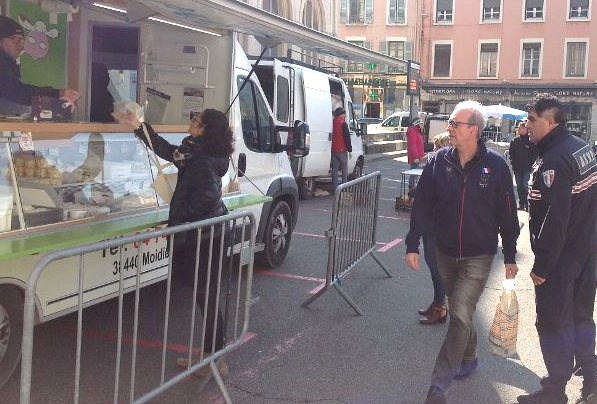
383	47
408	50
344	11
368	11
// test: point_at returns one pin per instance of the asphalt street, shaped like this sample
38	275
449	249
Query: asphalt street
321	354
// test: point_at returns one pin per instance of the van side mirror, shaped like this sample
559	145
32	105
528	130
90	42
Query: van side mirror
298	140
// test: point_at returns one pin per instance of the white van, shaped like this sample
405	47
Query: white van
297	91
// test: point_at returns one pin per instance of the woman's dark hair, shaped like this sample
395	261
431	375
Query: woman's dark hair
217	136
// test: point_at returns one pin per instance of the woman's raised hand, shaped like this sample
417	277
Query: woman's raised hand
127	117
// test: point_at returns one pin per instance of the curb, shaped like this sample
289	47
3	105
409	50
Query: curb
384	156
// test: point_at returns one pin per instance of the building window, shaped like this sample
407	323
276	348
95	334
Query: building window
442	55
356	11
579	9
531	59
488	58
576	53
533	10
491	10
311	16
396	11
444	10
354	66
271	6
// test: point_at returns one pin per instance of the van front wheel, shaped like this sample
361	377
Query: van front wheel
11	331
277	235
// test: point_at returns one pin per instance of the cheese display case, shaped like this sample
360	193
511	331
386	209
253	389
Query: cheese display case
86	171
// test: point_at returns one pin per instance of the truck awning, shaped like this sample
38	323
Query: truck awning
269	29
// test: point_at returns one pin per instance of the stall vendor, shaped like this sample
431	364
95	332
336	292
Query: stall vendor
15	96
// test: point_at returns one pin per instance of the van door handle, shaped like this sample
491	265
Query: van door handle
330	136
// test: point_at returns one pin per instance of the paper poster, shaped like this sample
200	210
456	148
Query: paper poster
43	62
192	101
26	141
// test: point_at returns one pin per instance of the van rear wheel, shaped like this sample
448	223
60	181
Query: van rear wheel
306	187
278	231
11	331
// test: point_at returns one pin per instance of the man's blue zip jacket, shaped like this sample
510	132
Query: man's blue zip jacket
466	207
562	210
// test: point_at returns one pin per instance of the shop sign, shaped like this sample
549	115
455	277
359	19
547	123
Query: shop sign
477	91
372	82
557	93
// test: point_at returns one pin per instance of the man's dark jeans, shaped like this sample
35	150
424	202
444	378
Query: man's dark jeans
465	280
522	186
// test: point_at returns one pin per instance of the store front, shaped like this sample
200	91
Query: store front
579	103
377	95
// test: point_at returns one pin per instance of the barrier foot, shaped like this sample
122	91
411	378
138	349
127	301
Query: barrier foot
314	297
349	300
218	378
385	269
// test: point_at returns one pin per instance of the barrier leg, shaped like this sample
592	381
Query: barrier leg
315	296
385	269
348	300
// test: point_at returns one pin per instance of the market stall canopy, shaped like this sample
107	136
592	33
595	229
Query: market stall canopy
267	28
503	112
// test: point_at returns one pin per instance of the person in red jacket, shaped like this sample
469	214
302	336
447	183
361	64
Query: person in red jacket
414	143
341	146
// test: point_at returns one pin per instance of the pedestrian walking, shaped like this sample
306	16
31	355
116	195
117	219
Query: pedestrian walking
465	194
563	230
341	147
522	156
414	147
437	312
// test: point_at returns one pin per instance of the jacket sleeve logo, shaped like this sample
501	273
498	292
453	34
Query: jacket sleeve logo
548	177
585	158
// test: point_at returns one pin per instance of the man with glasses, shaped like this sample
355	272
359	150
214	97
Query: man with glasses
15	96
466	195
563	230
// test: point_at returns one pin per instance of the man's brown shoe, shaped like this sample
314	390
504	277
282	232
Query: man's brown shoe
425	312
437	314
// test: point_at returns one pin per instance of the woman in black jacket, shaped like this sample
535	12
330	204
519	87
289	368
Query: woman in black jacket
202	161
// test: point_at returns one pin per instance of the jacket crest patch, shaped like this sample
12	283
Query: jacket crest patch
548	177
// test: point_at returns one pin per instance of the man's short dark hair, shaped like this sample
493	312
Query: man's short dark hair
547	102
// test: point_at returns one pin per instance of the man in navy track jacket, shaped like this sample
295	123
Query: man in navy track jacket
563	230
466	193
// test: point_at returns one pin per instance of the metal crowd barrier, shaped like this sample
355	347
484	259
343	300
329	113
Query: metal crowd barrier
352	235
233	297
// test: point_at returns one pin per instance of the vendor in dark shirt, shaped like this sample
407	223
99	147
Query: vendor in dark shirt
15	96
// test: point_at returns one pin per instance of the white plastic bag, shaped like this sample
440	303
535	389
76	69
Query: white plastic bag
504	329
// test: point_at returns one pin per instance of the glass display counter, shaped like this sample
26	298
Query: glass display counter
57	173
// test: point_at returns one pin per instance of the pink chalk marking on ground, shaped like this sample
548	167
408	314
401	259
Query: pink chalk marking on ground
389	245
322	236
290	276
148	343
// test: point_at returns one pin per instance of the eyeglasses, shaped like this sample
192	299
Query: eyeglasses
455	124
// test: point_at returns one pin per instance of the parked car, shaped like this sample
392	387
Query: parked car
395	125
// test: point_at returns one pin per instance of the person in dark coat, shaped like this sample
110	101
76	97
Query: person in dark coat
202	160
15	96
102	102
522	156
563	232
